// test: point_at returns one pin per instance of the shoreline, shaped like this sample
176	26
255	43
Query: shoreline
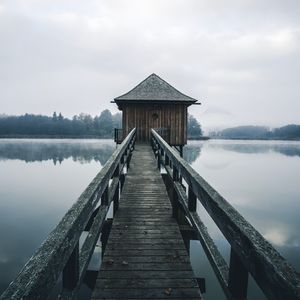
63	137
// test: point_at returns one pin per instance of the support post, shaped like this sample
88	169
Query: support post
158	160
192	200
238	277
116	199
122	180
167	161
181	150
116	195
175	204
70	274
104	197
105	233
128	159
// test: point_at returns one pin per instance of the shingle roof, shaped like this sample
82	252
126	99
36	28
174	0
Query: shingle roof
156	89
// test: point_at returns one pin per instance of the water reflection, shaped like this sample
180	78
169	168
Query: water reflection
288	148
83	151
191	152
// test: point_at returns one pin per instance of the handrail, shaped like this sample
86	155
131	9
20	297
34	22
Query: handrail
250	252
60	252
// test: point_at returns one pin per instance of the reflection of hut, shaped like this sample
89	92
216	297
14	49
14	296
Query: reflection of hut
155	104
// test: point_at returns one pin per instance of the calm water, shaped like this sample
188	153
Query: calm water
40	179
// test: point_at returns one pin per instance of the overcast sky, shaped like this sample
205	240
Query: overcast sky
240	58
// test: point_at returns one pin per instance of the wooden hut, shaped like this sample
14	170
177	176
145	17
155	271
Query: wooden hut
154	103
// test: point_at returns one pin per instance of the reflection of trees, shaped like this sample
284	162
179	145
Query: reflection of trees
285	149
81	151
191	152
288	150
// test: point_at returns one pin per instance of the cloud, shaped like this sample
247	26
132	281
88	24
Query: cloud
75	56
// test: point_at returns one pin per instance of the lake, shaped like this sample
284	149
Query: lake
41	179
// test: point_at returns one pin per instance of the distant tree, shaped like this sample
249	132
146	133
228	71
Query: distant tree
287	132
54	117
193	127
105	123
117	120
245	132
60	117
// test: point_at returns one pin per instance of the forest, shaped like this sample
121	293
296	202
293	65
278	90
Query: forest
82	125
288	132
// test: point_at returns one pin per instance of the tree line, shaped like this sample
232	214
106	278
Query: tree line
82	125
288	132
58	125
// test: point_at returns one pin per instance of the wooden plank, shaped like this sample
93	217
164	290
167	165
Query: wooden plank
154	258
158	246
144	293
145	256
145	275
151	283
145	236
166	266
151	252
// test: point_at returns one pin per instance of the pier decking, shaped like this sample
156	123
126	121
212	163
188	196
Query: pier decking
145	257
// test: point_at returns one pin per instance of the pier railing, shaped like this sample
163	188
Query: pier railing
60	254
250	252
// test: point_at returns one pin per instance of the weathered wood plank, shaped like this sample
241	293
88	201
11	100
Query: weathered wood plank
145	275
149	252
143	293
145	254
150	283
154	258
144	235
158	246
162	241
165	266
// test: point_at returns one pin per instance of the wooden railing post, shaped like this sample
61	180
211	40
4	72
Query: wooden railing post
175	206
167	161
192	200
104	197
70	275
122	181
122	175
128	158
158	160
116	199
238	277
116	195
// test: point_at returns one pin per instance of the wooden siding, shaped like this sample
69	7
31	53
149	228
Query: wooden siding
143	117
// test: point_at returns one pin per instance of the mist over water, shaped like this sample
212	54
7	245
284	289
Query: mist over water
41	179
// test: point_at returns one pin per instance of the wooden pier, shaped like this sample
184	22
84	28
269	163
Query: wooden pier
145	256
